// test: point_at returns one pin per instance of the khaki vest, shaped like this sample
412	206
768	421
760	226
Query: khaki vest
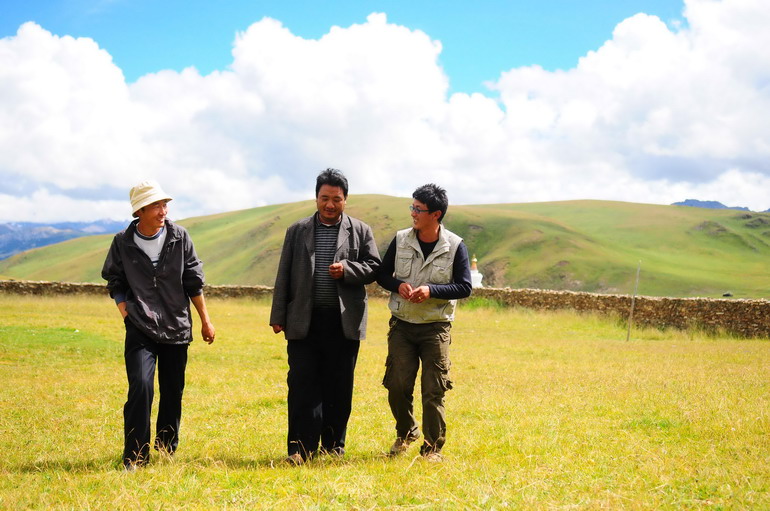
436	269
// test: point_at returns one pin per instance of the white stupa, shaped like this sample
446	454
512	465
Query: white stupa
476	276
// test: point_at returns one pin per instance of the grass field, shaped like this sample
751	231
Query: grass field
549	411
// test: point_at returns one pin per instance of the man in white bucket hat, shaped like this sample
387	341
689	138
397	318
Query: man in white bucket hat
153	272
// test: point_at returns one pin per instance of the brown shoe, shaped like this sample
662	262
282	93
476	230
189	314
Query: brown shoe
433	457
295	459
401	445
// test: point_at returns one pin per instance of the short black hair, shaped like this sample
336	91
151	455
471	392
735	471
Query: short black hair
331	177
434	197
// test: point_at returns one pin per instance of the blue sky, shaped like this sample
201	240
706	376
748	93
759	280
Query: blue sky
236	104
480	39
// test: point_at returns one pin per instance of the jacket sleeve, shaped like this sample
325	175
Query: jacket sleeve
364	269
385	276
281	290
113	271
192	274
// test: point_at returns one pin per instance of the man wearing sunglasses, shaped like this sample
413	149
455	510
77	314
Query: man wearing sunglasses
426	269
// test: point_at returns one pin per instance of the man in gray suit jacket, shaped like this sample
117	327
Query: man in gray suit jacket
320	305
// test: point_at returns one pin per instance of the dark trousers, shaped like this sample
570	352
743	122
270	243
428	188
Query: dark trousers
320	381
142	354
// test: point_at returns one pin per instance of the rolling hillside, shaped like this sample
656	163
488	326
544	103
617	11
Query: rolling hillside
575	245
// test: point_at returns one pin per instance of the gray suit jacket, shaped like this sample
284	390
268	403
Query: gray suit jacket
293	293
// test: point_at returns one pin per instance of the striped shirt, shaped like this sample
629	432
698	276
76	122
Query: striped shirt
325	295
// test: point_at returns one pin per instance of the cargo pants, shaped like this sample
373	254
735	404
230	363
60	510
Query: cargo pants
409	345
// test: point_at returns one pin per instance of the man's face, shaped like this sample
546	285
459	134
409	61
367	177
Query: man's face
153	216
422	218
331	203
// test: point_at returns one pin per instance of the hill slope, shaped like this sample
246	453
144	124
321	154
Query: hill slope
576	245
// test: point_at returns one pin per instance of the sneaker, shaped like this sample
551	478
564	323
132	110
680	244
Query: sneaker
401	445
295	459
433	457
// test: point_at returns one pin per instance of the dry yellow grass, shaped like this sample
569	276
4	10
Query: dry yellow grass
549	411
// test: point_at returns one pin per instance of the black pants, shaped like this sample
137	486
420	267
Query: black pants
141	355
320	382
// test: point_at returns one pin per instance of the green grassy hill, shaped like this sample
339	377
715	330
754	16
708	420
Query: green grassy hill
575	245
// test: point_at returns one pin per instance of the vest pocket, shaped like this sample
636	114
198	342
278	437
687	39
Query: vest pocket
441	272
403	267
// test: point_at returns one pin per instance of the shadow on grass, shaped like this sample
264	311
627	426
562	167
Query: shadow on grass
110	463
270	461
101	464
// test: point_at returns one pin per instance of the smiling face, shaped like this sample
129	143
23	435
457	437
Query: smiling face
330	203
422	219
152	217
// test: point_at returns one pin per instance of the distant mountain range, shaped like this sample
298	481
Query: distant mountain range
710	204
17	237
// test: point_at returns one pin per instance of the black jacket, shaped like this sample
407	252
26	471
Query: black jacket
157	298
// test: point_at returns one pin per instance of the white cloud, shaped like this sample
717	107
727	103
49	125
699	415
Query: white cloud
65	112
655	110
41	206
654	115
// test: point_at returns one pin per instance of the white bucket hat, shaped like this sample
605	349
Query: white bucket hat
146	193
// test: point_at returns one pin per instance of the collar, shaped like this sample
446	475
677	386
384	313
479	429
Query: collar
155	236
172	232
319	222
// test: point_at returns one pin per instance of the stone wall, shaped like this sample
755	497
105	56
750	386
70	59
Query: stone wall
41	288
28	287
748	318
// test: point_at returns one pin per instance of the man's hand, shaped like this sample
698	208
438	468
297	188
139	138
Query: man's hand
419	294
337	271
277	329
405	290
208	332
